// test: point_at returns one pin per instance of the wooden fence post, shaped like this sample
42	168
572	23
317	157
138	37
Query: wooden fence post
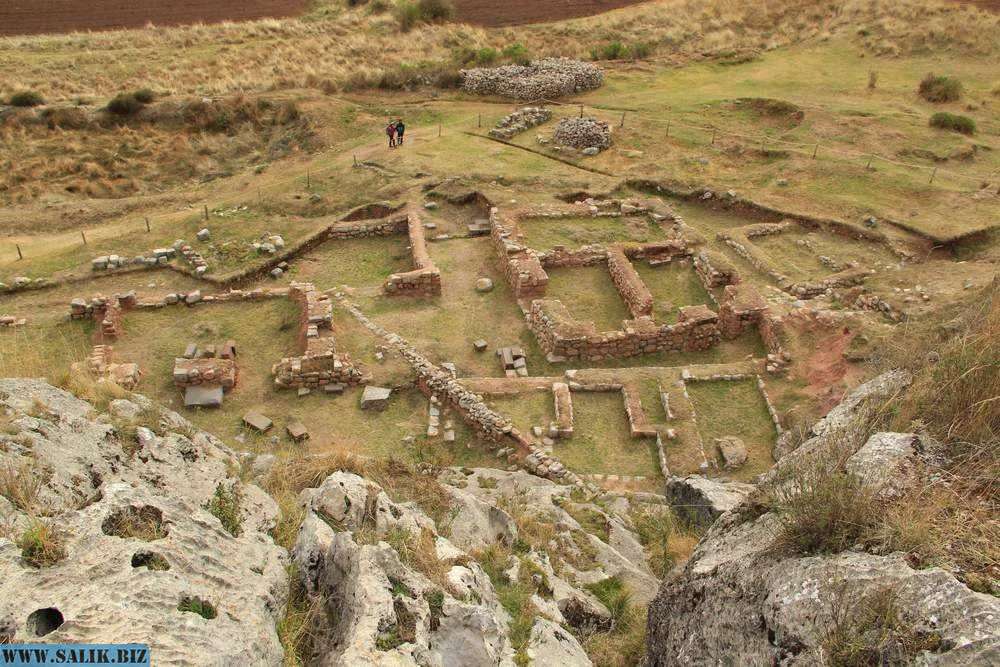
19	255
147	225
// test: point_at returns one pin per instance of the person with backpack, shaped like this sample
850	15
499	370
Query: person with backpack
390	130
400	129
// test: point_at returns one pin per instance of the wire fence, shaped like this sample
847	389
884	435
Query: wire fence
674	127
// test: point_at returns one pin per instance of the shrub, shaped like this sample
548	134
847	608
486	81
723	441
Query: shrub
935	88
517	53
26	98
196	605
640	50
407	15
144	95
41	545
435	10
486	56
824	511
953	122
611	51
225	506
870	631
125	104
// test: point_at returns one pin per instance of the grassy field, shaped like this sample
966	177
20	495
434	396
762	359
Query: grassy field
673	285
737	409
601	442
589	294
546	233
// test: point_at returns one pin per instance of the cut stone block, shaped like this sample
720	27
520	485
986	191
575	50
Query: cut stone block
375	398
335	388
480	345
257	421
732	450
203	396
228	350
303	391
297	431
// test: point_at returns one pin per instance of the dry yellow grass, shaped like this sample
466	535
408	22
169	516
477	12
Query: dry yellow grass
326	48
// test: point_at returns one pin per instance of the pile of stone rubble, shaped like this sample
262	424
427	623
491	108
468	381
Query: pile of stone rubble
589	135
549	78
520	121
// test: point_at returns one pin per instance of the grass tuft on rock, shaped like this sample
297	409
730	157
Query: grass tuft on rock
225	506
41	545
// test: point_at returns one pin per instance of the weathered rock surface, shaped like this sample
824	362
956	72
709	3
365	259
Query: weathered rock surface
111	586
702	500
739	600
382	609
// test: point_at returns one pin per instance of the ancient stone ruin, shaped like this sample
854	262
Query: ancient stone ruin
550	78
520	121
320	365
589	135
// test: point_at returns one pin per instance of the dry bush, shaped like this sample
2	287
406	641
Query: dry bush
41	544
872	632
934	88
21	485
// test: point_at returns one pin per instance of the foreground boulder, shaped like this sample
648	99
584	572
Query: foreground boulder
744	597
132	553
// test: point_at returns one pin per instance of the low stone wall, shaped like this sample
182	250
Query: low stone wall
564	409
560	336
320	364
633	290
638	423
714	270
195	372
435	381
101	365
425	278
520	121
106	311
560	257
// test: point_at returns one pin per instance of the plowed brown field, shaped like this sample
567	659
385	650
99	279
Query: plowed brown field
27	17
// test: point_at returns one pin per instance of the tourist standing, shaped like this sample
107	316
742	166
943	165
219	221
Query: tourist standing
390	130
400	129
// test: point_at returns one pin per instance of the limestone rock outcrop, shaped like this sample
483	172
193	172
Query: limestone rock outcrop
744	598
143	559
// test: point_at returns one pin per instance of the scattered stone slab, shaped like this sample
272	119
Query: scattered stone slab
203	396
375	398
335	388
257	421
480	345
484	285
297	431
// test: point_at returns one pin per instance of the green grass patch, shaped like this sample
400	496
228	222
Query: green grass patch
546	233
589	294
672	286
225	506
737	409
601	441
953	122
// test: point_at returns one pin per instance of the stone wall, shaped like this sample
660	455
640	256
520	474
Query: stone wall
560	336
521	267
320	364
495	428
425	278
633	290
101	365
549	78
742	307
714	270
195	372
